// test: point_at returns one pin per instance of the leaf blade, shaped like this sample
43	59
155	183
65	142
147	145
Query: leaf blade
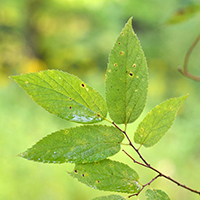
156	195
64	95
82	144
110	197
107	175
126	78
158	121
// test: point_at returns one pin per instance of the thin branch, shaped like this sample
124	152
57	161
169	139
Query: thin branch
185	71
145	186
131	144
160	174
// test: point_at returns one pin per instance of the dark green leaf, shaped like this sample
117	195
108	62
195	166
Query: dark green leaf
64	95
156	195
82	144
110	197
126	78
157	122
107	175
184	14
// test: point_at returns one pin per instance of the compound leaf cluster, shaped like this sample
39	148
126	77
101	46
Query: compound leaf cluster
89	146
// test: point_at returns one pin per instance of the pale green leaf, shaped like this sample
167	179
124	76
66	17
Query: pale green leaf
110	197
184	14
156	195
158	121
108	175
84	144
64	95
126	78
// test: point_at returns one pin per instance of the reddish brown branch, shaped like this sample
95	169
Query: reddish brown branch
185	71
147	165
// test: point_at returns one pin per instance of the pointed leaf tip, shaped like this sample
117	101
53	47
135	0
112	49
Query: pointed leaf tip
126	78
158	121
64	95
82	144
108	175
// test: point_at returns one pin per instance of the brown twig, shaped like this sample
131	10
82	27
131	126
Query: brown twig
147	165
185	71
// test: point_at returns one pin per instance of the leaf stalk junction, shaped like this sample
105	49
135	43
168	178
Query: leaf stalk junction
147	165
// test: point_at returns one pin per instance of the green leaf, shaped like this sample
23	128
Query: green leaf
110	197
184	14
126	78
156	195
64	95
82	144
158	121
107	175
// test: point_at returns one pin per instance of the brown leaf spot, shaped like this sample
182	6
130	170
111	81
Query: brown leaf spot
121	53
26	82
131	74
134	65
75	171
83	85
83	175
70	107
119	42
115	65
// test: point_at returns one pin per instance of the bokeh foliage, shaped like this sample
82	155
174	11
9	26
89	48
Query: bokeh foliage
76	36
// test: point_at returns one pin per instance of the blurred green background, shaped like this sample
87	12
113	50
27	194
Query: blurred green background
76	36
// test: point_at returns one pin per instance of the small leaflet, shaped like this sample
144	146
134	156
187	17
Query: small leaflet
110	197
84	144
184	14
64	95
108	175
158	121
156	195
126	78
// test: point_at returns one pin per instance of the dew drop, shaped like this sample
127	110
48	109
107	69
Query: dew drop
54	152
